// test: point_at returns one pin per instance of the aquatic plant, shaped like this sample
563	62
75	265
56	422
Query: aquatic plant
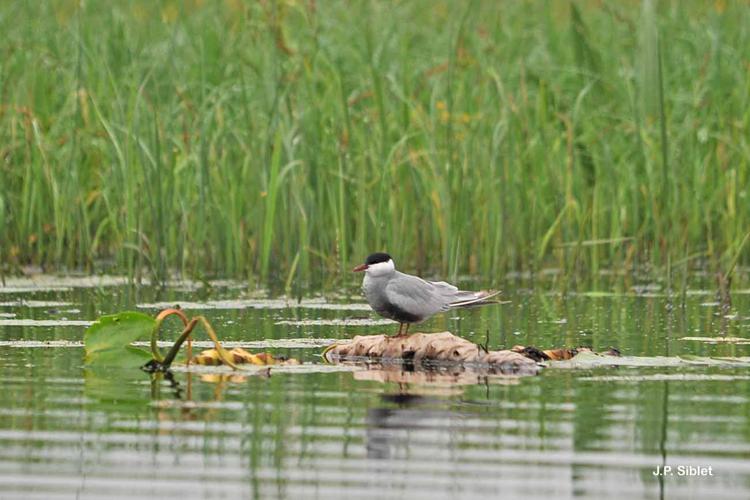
108	341
277	140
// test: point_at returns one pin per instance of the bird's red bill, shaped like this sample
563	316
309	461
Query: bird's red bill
360	268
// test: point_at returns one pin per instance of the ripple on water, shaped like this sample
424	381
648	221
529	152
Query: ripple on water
266	304
44	322
589	432
34	303
337	322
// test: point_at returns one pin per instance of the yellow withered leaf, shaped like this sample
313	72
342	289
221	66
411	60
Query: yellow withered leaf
209	357
240	356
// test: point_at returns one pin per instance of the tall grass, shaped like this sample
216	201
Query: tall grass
283	141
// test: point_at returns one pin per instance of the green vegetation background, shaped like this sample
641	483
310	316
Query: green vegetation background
287	139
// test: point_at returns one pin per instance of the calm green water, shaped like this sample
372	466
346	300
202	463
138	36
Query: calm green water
66	432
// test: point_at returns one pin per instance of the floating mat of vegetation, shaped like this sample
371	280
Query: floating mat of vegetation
421	348
445	348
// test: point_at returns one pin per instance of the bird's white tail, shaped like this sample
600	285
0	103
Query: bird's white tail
467	299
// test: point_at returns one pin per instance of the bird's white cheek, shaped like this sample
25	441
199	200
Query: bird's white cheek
380	268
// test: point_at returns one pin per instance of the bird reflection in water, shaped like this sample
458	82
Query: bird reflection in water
420	405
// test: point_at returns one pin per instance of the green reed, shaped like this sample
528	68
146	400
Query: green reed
283	141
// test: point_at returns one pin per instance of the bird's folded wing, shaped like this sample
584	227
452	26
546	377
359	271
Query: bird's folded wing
465	298
418	296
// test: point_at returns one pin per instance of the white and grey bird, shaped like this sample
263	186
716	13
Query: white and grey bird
410	299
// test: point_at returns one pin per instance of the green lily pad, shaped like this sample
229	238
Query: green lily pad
108	340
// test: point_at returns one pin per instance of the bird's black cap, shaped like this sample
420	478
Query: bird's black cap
375	258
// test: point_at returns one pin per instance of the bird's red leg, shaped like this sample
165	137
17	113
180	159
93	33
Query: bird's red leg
401	332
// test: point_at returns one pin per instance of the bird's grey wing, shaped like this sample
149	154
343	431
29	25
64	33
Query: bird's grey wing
448	293
417	296
462	298
467	299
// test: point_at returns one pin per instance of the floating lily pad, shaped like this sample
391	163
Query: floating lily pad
108	340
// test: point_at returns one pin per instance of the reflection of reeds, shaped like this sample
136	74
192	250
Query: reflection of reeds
281	140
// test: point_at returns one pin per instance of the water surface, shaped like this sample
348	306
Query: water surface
67	431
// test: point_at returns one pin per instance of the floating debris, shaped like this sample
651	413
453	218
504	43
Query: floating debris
447	348
45	282
36	344
48	282
258	304
558	354
304	343
252	369
420	348
678	377
719	340
35	303
33	289
337	322
240	356
588	360
44	322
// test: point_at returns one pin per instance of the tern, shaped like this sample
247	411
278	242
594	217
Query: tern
410	299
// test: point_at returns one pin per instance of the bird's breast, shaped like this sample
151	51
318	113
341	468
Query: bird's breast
375	293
